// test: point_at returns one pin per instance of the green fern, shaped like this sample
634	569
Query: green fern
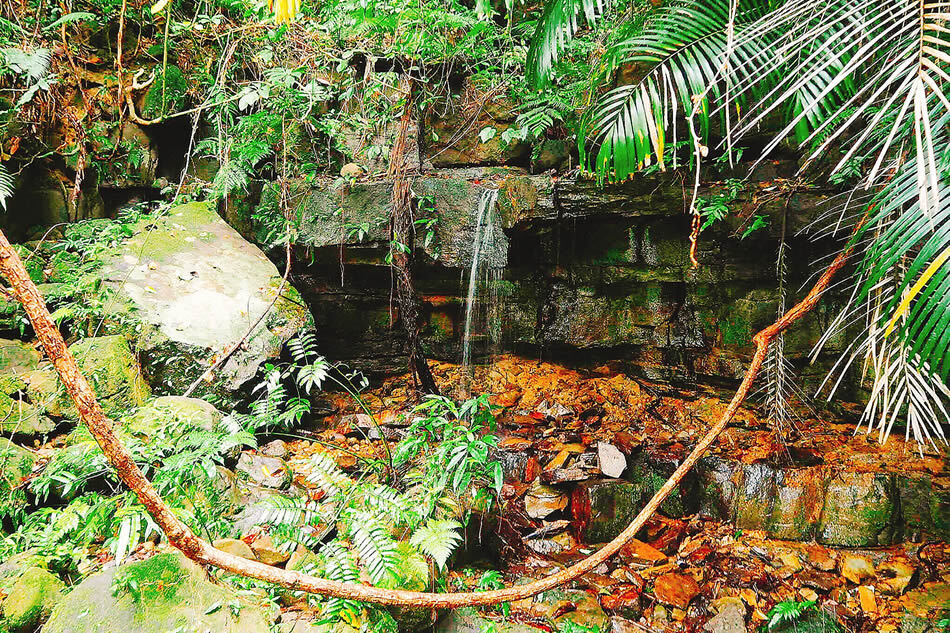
34	66
341	568
374	545
7	186
438	538
326	474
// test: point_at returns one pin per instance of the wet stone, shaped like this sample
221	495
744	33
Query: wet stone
269	472
754	497
513	465
731	619
676	590
860	510
894	577
541	500
856	569
797	504
602	508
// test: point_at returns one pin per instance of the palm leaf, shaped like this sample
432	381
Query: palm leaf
686	44
559	23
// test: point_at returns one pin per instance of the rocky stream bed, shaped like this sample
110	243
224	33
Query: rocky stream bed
852	531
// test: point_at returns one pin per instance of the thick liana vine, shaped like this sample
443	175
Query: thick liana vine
182	537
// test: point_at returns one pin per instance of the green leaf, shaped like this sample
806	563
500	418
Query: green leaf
438	538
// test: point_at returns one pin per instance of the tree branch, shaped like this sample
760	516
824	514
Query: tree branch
180	535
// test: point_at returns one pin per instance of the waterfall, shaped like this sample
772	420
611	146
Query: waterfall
482	273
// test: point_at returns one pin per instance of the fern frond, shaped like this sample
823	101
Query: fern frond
438	538
341	568
326	474
230	177
34	66
374	545
303	347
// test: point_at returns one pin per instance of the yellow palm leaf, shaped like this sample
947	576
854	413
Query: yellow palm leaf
916	288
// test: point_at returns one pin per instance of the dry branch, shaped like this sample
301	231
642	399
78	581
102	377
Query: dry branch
180	536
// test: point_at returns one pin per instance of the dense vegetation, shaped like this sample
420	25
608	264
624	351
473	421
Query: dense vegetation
269	96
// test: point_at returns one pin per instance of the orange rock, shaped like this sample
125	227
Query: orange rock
507	399
676	590
866	596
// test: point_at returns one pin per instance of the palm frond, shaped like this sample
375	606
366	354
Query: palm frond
559	23
687	45
7	186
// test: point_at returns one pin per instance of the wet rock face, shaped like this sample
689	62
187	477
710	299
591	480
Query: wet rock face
602	508
587	270
860	509
842	509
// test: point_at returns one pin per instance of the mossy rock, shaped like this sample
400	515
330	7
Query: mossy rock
33	264
15	464
173	412
925	607
166	592
468	620
167	94
13	567
30	600
187	286
22	418
112	370
860	510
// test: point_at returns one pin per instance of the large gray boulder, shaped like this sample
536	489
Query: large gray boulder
164	593
188	287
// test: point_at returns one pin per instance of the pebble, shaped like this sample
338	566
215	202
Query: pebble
676	590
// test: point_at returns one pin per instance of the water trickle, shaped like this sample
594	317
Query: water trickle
482	281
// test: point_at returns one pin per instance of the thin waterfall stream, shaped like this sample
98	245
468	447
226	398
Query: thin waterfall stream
482	273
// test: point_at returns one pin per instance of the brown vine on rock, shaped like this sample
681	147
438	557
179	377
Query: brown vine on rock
401	247
182	537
